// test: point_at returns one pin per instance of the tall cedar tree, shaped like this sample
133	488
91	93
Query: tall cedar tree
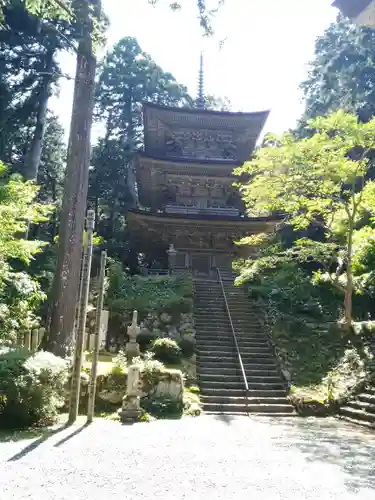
342	73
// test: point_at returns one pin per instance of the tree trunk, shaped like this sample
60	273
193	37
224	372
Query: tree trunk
67	275
348	306
32	160
53	231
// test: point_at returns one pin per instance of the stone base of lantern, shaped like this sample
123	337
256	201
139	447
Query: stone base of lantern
131	411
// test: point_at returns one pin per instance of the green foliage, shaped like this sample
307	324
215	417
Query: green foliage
166	350
147	295
145	340
151	370
187	346
341	74
20	295
20	300
315	179
17	207
163	407
322	180
31	388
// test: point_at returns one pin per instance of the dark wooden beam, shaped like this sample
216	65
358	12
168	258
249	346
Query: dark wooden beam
352	8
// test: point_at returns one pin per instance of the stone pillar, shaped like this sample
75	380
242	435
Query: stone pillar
131	410
132	346
172	253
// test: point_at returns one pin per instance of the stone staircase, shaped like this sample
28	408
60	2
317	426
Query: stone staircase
218	368
361	410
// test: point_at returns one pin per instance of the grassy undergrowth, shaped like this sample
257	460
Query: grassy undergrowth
325	362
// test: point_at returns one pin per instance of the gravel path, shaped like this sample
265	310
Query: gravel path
207	457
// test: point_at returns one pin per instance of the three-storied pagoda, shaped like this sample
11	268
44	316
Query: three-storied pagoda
185	193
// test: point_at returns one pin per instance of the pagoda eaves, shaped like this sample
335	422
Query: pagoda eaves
201	134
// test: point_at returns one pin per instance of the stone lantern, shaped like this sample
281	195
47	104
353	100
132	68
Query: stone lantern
361	12
132	346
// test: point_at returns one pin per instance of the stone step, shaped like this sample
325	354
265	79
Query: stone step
362	423
225	384
230	344
244	408
219	318
221	332
235	364
235	371
226	340
219	350
253	393
362	405
247	357
213	318
251	379
250	400
357	414
216	337
252	415
221	308
213	323
367	398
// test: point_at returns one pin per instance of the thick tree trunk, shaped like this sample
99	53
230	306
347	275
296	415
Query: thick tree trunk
348	301
67	275
53	231
32	160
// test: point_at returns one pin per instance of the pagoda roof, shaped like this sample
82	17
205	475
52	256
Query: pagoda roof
203	111
192	218
196	162
195	232
240	129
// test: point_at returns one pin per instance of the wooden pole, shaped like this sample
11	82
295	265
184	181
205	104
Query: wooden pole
34	339
80	337
28	340
95	352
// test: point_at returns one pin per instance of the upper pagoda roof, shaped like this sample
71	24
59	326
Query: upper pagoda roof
199	134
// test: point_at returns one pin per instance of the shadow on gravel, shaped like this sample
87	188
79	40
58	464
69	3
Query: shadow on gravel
70	436
227	419
334	442
46	434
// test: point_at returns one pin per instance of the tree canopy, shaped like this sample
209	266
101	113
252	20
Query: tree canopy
342	73
322	180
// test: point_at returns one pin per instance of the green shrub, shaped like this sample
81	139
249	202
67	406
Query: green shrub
166	350
162	407
145	340
187	346
147	295
31	388
151	370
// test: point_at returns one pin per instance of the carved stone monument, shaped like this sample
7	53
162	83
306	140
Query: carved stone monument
132	346
131	409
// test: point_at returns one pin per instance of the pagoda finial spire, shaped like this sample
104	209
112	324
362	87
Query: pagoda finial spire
200	96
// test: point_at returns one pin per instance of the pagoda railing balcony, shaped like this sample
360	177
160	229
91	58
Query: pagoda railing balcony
219	211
